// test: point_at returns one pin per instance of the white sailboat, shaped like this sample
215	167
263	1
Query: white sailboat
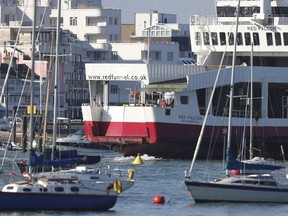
54	193
235	188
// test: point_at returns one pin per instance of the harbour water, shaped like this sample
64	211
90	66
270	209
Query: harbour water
164	177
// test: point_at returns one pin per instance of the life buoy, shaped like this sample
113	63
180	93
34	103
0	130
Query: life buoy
118	187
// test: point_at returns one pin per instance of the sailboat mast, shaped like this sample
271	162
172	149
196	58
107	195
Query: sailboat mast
251	106
31	130
232	84
56	79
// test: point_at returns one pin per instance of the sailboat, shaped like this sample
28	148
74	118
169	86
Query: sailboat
53	193
235	187
253	164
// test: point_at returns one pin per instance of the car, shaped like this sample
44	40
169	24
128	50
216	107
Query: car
10	121
4	124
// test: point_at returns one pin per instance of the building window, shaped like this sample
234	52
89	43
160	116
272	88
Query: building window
110	20
97	56
73	21
114	55
116	21
110	37
115	37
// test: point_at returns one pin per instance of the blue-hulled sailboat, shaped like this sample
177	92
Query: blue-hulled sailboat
54	193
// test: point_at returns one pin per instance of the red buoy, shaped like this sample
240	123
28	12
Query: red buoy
158	199
235	172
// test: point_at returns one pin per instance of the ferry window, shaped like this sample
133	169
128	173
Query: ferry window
239	38
206	38
285	38
114	89
230	38
59	189
278	39
184	99
198	38
155	55
214	38
222	38
170	56
256	41
247	38
269	39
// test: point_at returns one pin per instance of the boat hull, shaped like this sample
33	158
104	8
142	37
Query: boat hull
215	192
42	201
179	141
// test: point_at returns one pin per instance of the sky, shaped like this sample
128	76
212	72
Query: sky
182	8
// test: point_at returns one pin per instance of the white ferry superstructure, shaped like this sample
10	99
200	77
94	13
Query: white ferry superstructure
148	126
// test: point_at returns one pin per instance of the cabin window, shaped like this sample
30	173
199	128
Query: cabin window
184	99
43	189
222	38
27	189
239	38
256	40
59	189
94	177
247	38
269	39
214	38
285	38
10	188
268	183
278	39
74	189
206	38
